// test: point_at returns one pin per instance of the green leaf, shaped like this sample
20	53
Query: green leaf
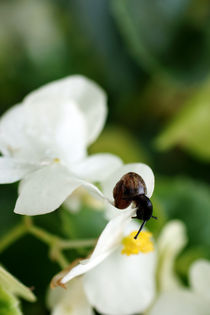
191	128
9	305
189	201
163	36
11	284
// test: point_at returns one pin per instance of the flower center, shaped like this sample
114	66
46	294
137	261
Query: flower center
56	160
134	246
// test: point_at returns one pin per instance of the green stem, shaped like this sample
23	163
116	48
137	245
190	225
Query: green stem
55	243
57	255
52	240
58	244
13	235
65	244
43	235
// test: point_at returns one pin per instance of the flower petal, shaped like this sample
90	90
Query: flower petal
121	284
182	302
12	170
46	189
15	141
10	283
200	278
142	169
171	241
59	128
89	97
11	130
109	239
82	196
70	301
97	167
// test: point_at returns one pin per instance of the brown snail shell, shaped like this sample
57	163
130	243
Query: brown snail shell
128	187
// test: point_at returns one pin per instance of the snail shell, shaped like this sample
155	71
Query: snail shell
128	187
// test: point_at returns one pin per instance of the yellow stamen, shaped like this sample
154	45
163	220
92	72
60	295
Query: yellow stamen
142	244
56	160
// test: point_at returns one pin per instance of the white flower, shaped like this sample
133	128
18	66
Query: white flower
193	301
114	231
174	298
119	276
71	301
171	241
115	283
119	284
44	143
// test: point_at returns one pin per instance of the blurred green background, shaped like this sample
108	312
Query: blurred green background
153	60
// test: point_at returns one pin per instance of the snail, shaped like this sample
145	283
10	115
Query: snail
132	189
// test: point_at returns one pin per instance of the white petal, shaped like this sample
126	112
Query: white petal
182	302
200	278
82	196
45	190
10	283
92	189
88	96
108	241
121	284
70	134
11	130
12	170
59	128
14	138
98	167
71	301
171	241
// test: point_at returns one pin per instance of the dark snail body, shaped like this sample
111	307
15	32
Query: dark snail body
131	188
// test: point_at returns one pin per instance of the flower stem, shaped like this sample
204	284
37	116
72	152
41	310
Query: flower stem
55	243
56	255
65	244
53	240
42	235
12	236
